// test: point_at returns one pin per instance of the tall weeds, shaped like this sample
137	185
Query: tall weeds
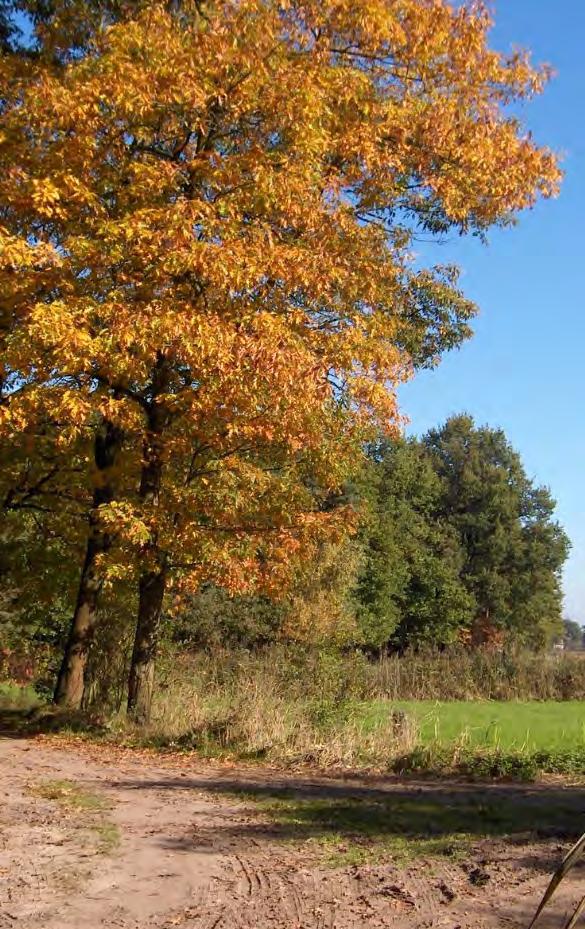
461	674
291	704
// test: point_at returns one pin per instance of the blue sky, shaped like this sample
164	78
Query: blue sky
524	370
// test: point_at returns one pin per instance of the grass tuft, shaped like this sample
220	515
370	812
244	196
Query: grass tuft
108	835
87	808
70	795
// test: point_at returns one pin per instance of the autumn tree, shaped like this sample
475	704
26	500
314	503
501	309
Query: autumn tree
207	218
44	502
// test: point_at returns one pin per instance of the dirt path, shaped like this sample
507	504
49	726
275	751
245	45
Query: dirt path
88	840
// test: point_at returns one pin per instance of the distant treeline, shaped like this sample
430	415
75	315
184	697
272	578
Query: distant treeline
457	545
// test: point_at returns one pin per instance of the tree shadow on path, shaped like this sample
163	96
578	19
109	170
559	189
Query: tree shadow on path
438	818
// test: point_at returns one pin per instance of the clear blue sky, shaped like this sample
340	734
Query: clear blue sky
524	370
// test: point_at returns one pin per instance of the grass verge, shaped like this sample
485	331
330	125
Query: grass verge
330	710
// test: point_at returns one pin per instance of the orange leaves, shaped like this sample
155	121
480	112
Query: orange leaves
235	191
45	198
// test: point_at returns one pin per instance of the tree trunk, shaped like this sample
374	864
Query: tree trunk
153	576
71	679
140	687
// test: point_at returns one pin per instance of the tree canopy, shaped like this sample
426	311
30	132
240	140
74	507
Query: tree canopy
208	211
461	543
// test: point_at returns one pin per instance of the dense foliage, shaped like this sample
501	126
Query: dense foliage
462	545
209	295
410	589
457	547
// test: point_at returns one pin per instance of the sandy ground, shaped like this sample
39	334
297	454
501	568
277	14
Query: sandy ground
187	854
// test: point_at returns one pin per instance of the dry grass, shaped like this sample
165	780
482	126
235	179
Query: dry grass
263	710
460	674
290	705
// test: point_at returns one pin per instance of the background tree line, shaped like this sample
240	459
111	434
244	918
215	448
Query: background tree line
456	545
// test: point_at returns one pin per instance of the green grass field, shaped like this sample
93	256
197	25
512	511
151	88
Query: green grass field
509	726
487	739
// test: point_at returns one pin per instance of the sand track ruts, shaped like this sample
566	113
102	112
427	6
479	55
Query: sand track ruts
192	856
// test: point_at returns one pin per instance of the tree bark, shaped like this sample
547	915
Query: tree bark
151	588
71	679
153	576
